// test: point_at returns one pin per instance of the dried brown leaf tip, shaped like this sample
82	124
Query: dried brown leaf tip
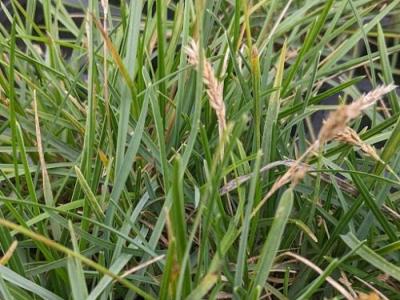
213	85
337	120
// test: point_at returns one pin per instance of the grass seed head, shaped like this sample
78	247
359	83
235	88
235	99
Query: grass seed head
213	85
351	137
338	119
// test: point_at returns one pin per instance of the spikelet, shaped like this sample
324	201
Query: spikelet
213	85
337	120
293	175
351	137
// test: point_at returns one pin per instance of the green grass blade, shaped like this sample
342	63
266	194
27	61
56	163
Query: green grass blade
178	224
272	242
14	278
373	206
387	71
92	203
128	161
242	252
308	42
75	271
371	256
74	254
319	281
4	291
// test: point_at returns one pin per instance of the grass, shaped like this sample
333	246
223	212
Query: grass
172	150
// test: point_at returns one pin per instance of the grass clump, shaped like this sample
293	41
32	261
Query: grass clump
183	150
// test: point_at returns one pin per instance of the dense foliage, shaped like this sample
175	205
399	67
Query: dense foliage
177	149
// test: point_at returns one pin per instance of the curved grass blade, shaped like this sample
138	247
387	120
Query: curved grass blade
371	256
56	246
241	257
272	243
75	271
14	278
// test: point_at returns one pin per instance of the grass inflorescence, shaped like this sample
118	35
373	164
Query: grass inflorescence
194	149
